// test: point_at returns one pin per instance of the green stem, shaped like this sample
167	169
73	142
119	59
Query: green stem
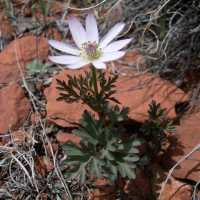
96	91
94	77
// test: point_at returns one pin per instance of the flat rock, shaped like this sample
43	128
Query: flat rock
6	28
188	136
14	107
175	190
18	53
67	137
133	90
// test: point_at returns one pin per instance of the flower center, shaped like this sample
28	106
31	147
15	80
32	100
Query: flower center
90	50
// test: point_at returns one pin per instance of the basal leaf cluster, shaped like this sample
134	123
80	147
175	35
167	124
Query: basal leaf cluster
102	152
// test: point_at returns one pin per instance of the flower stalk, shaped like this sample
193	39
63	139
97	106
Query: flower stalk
94	78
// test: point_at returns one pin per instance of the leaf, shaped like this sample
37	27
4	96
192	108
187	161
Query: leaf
95	165
136	143
107	155
89	129
58	197
43	7
72	149
112	148
112	144
130	172
92	125
122	171
131	158
85	136
82	173
113	169
155	111
36	66
132	166
125	170
120	147
133	151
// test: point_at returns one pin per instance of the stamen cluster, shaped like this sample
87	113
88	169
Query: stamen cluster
90	50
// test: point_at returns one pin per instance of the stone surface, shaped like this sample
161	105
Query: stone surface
133	90
175	190
18	53
135	58
6	29
188	135
14	107
103	190
107	193
139	188
136	189
67	137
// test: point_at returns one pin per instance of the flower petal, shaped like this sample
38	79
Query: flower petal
110	56
111	34
91	29
99	65
115	46
64	47
78	65
64	60
77	31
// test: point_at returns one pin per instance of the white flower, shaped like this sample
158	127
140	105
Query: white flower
89	48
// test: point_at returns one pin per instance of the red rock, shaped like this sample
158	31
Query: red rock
134	91
139	187
135	57
103	190
175	190
100	194
20	52
14	107
101	182
188	135
138	91
6	29
67	137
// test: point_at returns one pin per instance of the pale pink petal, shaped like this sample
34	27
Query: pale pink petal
91	29
115	46
111	34
99	65
110	56
61	46
64	60
77	31
78	65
